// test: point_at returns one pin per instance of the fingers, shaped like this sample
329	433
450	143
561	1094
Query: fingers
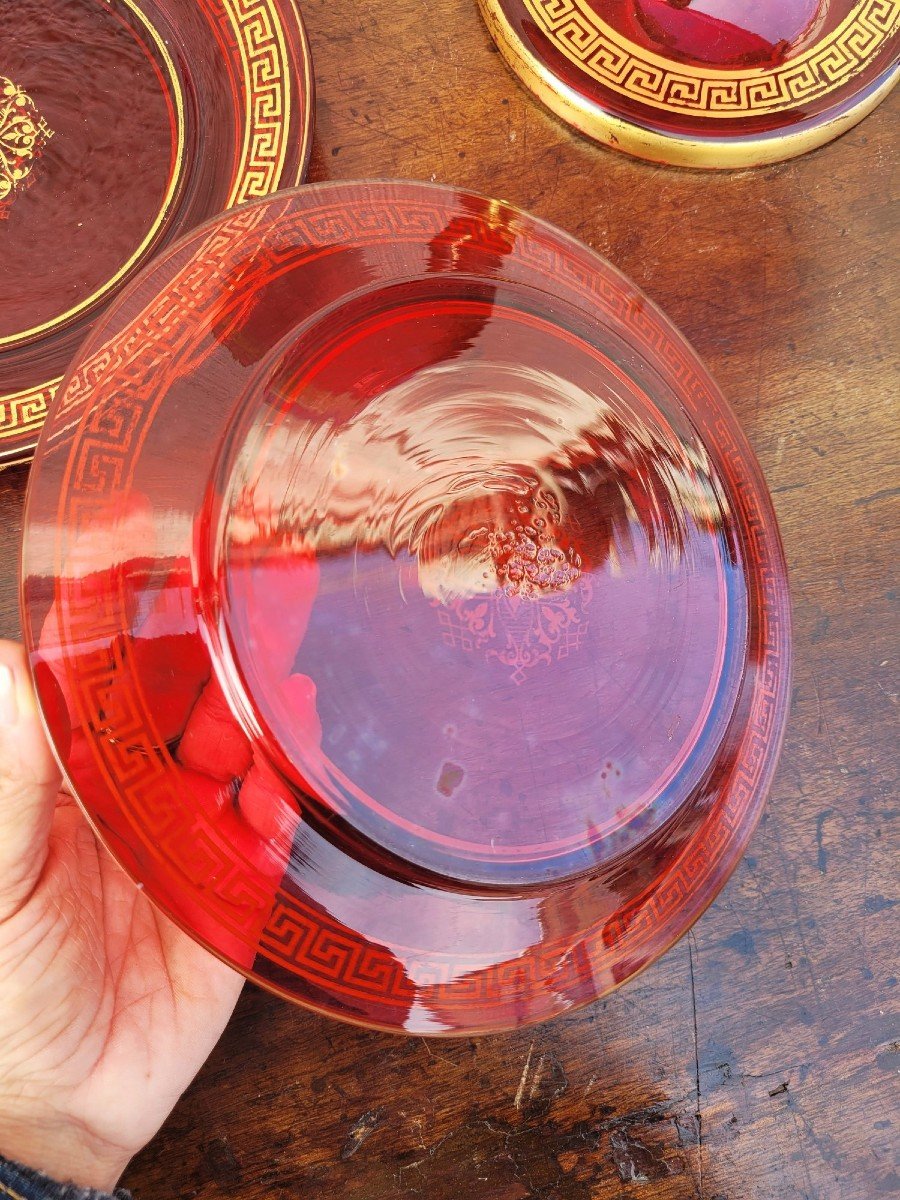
100	564
231	913
215	754
170	658
213	741
29	783
267	805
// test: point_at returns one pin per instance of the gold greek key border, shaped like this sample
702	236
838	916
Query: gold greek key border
586	40
24	334
21	412
267	95
262	45
707	152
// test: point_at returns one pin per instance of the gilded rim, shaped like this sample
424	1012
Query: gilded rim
709	153
23	413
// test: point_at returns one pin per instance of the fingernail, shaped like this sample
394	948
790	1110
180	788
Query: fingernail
9	704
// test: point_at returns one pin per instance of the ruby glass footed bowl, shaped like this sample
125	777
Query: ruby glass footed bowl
703	83
406	607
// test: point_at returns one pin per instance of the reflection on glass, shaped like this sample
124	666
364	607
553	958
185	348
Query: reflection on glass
406	609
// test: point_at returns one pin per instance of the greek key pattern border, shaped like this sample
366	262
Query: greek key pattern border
260	39
595	48
25	412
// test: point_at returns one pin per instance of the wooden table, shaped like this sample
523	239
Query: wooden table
759	1058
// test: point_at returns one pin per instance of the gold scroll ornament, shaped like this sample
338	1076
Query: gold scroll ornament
23	133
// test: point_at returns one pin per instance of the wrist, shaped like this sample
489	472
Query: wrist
59	1148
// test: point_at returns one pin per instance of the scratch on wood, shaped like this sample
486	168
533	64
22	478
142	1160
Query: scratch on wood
360	1131
520	1094
823	853
698	1114
635	1162
821	723
884	494
538	1073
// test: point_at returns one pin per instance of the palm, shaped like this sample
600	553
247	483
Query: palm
120	1008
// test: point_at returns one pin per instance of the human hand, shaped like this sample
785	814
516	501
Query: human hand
107	1010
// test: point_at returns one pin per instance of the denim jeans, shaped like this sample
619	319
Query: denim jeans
21	1183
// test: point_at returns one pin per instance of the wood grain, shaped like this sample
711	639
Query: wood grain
759	1058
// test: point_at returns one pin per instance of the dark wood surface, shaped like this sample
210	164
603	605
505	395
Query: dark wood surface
760	1057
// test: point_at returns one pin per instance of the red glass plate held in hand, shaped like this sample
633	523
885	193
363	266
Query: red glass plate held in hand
703	83
124	123
432	662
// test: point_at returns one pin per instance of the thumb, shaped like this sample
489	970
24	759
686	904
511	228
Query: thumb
29	783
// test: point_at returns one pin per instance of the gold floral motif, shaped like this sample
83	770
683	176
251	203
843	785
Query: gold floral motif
23	132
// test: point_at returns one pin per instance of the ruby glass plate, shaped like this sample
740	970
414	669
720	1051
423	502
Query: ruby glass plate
406	607
124	123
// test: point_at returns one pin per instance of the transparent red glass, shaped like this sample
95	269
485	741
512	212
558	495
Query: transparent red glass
124	123
705	83
406	607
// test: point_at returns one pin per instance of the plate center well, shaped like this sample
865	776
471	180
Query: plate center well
479	587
